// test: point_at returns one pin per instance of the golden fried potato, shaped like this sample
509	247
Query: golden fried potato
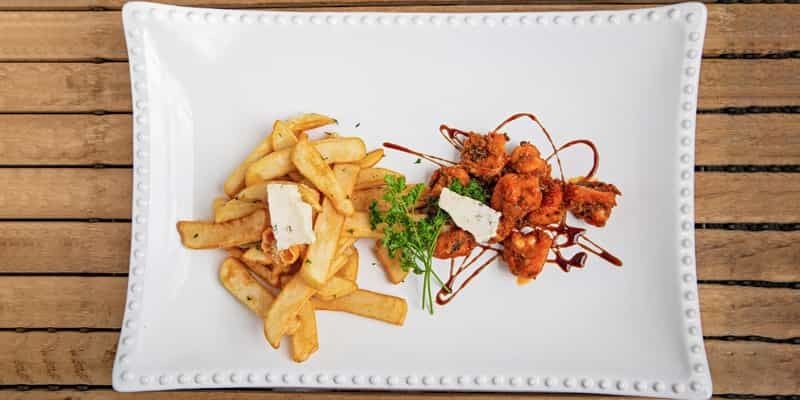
358	226
371	159
374	177
310	163
336	287
350	269
279	163
309	121
282	136
304	340
235	209
368	304
285	309
258	193
235	278
391	265
210	235
236	180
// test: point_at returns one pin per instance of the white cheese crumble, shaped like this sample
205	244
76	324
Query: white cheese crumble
470	215
290	216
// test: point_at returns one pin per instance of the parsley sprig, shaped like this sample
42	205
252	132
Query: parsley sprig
473	190
409	239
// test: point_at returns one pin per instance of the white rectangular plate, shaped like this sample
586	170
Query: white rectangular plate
207	85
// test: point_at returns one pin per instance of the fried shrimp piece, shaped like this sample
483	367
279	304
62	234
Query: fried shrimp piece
592	201
516	195
552	207
526	253
454	243
485	156
444	177
526	159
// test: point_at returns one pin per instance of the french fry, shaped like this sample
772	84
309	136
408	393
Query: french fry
391	265
317	264
282	136
210	235
345	245
279	163
217	204
254	254
374	177
350	268
336	287
234	252
304	340
258	192
236	180
362	199
235	209
309	121
368	304
311	164
285	308
358	226
372	158
235	278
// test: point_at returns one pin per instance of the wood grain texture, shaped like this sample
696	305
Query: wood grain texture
64	247
65	139
106	193
33	139
98	302
46	301
65	193
748	139
64	87
743	255
747	197
82	358
83	247
86	36
82	87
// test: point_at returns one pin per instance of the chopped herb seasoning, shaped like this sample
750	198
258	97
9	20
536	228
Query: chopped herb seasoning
358	124
419	160
195	235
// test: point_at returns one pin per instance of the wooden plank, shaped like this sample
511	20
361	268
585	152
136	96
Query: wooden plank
55	139
81	247
64	247
742	255
82	87
106	193
65	139
748	139
47	301
87	358
98	302
64	87
86	36
33	5
747	197
65	193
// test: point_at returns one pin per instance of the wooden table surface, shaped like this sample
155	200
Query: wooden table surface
65	193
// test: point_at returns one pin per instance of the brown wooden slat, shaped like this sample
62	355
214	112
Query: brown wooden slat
46	301
81	87
742	255
747	197
65	193
64	87
87	358
105	193
34	139
748	139
98	302
65	139
81	247
763	28
69	247
117	4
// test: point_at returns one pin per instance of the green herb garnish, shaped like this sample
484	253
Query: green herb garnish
419	160
473	190
409	239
